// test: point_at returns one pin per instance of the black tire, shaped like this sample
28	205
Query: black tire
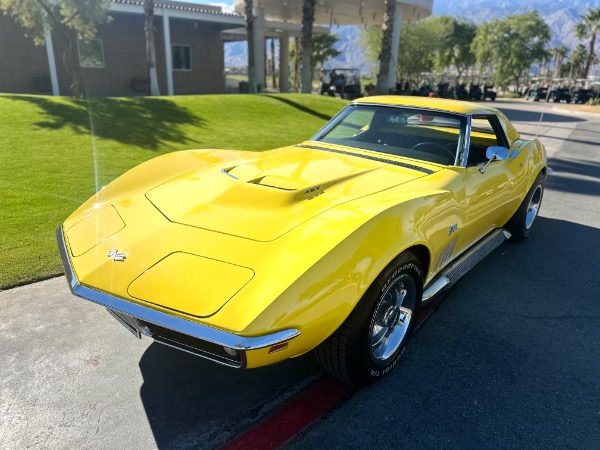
522	222
371	340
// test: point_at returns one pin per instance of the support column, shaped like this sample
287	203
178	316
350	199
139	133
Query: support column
259	48
168	56
284	61
52	65
395	48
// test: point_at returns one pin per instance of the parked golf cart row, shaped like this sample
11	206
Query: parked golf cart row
560	94
345	83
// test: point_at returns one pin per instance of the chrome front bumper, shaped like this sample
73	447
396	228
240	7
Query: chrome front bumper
210	343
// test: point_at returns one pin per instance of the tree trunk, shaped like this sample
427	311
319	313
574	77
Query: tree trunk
591	54
150	47
308	18
248	6
70	64
571	72
386	47
71	69
296	63
273	68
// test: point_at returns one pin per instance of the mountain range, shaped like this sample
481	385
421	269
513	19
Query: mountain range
561	15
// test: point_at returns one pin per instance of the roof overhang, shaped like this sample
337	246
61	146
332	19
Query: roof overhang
220	19
233	24
273	30
340	12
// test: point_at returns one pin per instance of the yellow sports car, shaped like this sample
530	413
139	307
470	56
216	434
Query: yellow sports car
332	245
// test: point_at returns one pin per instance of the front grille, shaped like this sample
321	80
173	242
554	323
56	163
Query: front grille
181	341
195	346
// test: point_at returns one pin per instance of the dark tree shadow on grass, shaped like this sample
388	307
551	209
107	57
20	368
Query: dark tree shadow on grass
145	122
299	107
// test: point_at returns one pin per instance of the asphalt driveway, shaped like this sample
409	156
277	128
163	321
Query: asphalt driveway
511	358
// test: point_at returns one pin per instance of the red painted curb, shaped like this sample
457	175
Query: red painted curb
293	417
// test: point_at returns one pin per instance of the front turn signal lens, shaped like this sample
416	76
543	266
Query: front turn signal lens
278	347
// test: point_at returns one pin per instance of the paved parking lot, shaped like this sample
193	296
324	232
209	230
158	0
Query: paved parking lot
511	358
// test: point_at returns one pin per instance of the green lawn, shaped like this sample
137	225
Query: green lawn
56	152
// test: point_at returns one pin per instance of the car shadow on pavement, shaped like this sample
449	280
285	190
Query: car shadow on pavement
193	403
579	177
510	359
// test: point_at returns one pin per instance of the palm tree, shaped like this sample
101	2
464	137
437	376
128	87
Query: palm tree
248	6
588	28
308	18
150	46
578	60
385	57
559	54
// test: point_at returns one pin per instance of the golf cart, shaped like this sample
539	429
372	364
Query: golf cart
343	82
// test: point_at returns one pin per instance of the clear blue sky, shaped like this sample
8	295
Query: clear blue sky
225	4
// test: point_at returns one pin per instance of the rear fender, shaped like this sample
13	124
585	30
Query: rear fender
537	161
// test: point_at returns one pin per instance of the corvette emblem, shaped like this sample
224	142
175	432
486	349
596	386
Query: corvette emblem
116	256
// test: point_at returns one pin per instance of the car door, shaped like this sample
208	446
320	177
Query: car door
490	196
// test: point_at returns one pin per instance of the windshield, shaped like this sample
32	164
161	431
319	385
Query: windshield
413	133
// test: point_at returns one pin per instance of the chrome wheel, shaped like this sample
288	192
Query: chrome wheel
392	318
534	207
369	344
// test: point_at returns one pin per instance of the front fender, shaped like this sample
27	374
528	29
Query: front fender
324	295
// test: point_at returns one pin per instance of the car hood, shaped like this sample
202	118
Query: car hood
264	197
189	231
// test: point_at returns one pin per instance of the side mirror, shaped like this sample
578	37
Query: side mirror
501	153
494	153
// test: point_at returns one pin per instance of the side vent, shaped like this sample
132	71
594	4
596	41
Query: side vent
446	254
464	263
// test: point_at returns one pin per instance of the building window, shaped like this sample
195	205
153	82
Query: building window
91	53
182	59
